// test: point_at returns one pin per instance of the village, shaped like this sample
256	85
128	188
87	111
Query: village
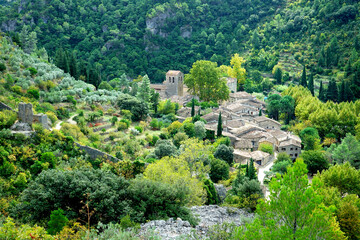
243	121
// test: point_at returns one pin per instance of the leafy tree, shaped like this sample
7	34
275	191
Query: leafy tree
278	74
176	172
219	170
274	106
347	151
282	156
144	93
57	221
237	71
293	211
281	166
155	96
105	85
344	177
199	130
225	153
315	160
54	189
165	148
219	126
204	81
138	108
155	199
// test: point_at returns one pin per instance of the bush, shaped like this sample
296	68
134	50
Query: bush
138	108
33	92
199	130
219	170
154	124
140	129
32	71
165	148
225	153
57	221
2	67
265	147
212	197
7	118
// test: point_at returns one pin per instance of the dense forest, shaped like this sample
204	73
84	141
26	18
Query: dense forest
86	67
116	37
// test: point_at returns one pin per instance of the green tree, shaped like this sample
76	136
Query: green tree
293	212
311	84
250	170
204	81
278	75
274	106
219	126
347	151
219	170
332	91
322	93
199	130
165	148
315	160
287	107
192	107
138	108
225	153
303	81
144	93
57	221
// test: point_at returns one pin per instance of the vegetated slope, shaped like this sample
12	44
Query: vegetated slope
143	36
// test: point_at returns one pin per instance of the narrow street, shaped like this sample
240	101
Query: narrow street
262	170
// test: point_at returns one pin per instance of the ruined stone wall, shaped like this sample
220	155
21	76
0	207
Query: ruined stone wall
3	107
95	153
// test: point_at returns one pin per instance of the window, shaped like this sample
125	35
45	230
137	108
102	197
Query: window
283	149
291	149
169	79
291	155
296	154
295	148
173	79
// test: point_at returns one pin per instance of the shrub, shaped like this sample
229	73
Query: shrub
57	221
212	197
154	124
52	117
7	119
122	126
265	147
140	129
178	138
32	71
165	148
199	130
2	67
126	121
33	92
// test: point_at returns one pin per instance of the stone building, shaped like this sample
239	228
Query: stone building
291	147
174	83
232	84
267	123
26	115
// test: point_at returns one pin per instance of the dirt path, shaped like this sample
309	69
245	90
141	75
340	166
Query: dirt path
70	120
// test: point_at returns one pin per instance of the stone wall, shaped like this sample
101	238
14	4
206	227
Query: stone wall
42	119
95	153
3	107
26	113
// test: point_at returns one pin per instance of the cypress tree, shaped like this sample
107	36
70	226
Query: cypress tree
252	172
348	69
66	63
303	81
278	75
73	66
311	84
219	126
59	58
260	112
332	91
321	92
247	170
193	107
342	97
349	96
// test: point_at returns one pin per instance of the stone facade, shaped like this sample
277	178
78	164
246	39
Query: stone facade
291	147
26	113
232	84
268	123
174	83
42	119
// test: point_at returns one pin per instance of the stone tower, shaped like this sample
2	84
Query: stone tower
174	83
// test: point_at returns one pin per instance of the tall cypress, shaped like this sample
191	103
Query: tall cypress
66	62
311	84
219	126
332	91
342	97
321	92
260	112
73	66
193	107
349	96
59	58
303	81
252	172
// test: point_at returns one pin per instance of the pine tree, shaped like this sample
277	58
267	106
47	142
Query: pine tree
59	58
303	78
219	126
348	69
311	84
260	112
193	107
349	96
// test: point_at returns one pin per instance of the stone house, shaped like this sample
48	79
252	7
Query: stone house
267	123
259	157
243	144
242	109
233	97
291	147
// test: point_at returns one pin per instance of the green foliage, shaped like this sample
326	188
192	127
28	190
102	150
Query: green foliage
2	67
139	109
347	151
165	148
67	189
294	211
265	147
105	85
205	82
7	119
315	160
225	153
219	170
212	197
219	126
199	130
57	221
